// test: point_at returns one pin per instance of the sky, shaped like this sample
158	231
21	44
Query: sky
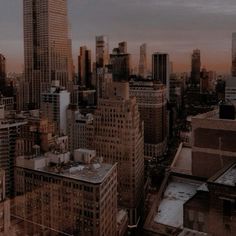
171	26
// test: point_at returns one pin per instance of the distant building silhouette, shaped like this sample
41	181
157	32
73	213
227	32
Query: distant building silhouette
84	67
196	68
120	62
143	61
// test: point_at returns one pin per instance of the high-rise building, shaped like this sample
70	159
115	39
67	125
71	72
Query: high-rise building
2	72
84	67
80	129
120	62
160	69
152	104
9	129
47	46
104	81
54	105
119	138
143	61
233	54
122	47
196	67
102	51
72	198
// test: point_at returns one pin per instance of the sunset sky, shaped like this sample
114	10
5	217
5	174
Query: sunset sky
172	26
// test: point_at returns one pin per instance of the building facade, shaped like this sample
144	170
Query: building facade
102	51
120	63
152	104
119	138
9	130
77	200
213	143
233	54
196	67
54	105
2	72
84	67
160	69
80	129
47	47
143	61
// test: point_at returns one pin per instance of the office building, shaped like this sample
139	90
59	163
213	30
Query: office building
73	198
122	47
2	72
104	81
80	129
54	105
120	63
152	104
160	70
196	68
143	61
9	130
102	51
119	138
84	67
47	47
233	55
37	132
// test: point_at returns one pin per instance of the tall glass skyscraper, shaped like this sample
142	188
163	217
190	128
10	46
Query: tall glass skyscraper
143	61
47	47
196	67
233	54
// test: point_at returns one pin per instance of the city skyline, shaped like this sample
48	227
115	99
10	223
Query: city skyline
190	26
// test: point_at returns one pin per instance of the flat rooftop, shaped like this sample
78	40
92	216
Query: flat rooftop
170	211
188	232
183	160
94	172
228	177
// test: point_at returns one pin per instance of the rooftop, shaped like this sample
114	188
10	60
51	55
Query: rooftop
183	161
60	165
92	173
188	232
170	211
228	177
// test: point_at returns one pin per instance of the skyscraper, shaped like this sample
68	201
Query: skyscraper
9	130
196	67
102	51
152	104
84	67
120	62
234	54
143	61
47	46
54	105
160	69
2	71
119	138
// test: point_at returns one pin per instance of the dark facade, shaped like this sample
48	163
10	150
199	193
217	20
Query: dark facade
120	62
84	67
196	67
160	67
2	72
